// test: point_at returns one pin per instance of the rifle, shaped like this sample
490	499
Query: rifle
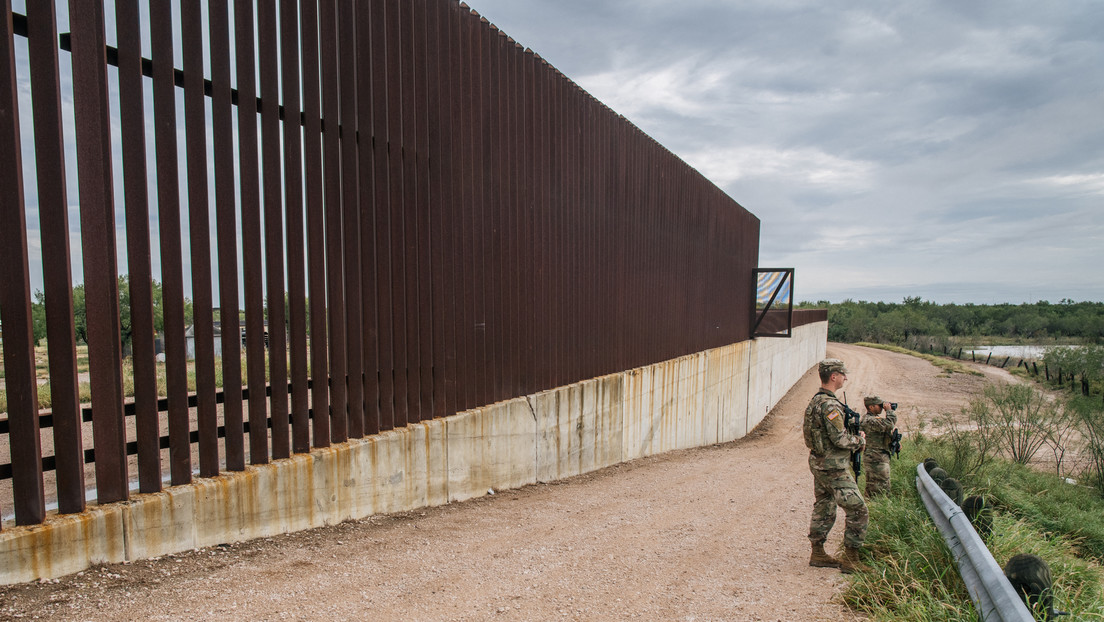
895	443
853	422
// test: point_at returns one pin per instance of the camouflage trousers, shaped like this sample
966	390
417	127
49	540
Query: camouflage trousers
832	488
876	467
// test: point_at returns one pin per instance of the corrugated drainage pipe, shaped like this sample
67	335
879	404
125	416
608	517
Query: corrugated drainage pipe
993	596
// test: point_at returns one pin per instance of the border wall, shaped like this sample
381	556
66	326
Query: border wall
451	221
705	398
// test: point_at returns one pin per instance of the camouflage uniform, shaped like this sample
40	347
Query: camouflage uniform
830	447
876	455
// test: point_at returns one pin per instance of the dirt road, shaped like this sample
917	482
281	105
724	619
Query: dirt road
716	533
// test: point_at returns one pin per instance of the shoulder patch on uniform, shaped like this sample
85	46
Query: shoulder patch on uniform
832	415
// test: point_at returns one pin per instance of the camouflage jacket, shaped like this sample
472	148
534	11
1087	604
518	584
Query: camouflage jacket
829	443
878	430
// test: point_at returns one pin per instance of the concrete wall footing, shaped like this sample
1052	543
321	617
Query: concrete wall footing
700	399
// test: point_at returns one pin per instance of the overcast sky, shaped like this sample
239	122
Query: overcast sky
948	150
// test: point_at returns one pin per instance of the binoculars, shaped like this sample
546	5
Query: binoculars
893	405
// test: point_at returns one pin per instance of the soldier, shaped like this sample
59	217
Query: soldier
830	447
879	432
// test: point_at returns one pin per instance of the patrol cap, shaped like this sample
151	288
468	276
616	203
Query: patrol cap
873	400
828	366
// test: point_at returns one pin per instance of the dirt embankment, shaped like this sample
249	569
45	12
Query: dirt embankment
707	534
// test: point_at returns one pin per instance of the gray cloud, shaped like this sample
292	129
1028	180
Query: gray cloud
953	151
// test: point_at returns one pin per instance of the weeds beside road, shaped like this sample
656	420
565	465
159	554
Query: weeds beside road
712	533
990	447
914	576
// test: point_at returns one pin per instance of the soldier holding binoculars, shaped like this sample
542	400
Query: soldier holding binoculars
879	443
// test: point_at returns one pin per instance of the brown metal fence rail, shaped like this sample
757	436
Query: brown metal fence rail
411	215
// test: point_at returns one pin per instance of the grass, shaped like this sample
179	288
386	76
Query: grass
913	573
949	366
1048	503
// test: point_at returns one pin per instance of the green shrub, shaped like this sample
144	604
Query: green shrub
1090	413
914	576
1021	415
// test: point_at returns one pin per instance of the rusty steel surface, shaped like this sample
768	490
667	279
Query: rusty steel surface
200	238
380	216
369	380
331	147
168	215
97	218
436	38
226	231
15	298
250	206
314	215
136	199
391	62
407	76
296	250
273	217
422	24
349	214
57	275
413	214
801	317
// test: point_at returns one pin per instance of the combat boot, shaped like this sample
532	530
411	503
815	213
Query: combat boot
821	559
850	562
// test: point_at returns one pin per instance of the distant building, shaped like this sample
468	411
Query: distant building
189	338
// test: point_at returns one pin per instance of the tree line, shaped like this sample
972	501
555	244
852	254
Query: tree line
80	319
848	321
900	323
